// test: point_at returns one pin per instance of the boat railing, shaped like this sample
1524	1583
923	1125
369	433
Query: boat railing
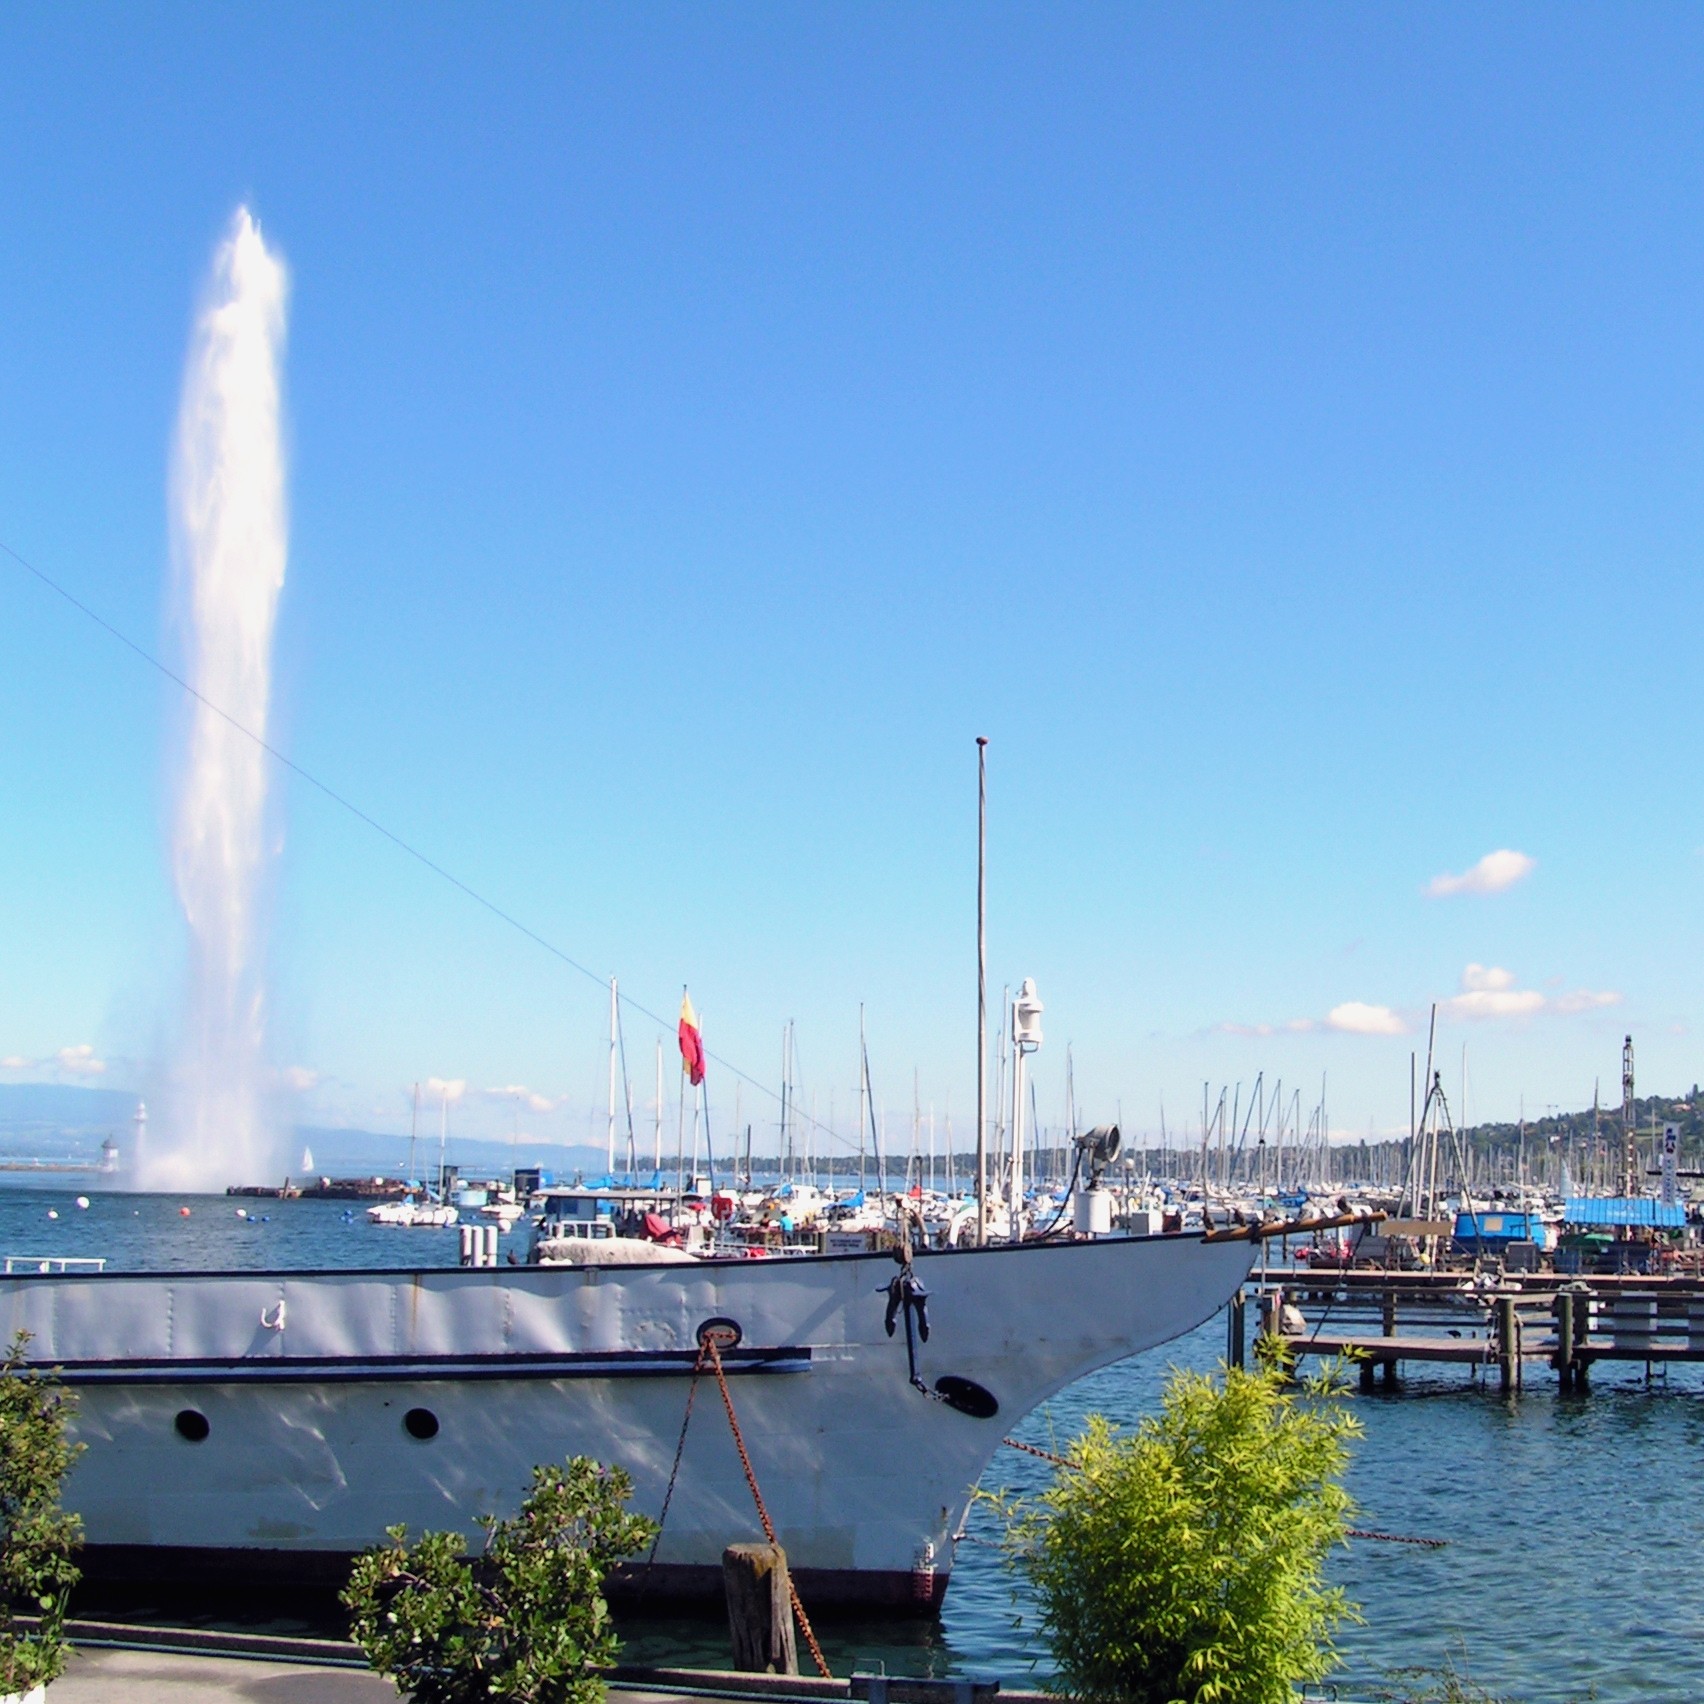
23	1264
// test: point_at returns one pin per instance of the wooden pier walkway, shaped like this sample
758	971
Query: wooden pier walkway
1508	1323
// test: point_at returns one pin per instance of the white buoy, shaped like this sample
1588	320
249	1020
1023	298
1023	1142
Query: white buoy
53	1212
242	1212
83	1202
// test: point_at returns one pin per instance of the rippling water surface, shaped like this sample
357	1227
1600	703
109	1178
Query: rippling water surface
1574	1523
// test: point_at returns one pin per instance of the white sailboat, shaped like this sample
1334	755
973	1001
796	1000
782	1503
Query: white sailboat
413	1211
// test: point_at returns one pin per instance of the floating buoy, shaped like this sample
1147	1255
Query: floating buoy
183	1212
242	1212
53	1212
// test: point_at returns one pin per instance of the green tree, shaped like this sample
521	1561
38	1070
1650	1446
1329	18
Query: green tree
1184	1563
37	1537
526	1619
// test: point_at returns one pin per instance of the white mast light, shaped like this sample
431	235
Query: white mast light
1026	1016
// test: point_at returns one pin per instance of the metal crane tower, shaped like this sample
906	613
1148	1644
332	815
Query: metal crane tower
1630	1179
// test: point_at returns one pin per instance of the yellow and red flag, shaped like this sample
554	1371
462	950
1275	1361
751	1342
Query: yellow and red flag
691	1042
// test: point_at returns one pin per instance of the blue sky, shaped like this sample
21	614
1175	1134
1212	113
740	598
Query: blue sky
1279	430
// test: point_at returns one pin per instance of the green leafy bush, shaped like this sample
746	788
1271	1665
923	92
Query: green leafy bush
1185	1561
37	1537
525	1620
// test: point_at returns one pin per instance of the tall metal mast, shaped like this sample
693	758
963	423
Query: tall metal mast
610	1161
981	991
1629	1124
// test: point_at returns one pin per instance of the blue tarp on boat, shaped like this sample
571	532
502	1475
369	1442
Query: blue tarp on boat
1623	1210
1485	1230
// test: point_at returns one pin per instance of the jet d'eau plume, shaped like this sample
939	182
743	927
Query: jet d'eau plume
229	546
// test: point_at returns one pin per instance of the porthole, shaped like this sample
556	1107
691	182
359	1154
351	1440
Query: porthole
192	1425
420	1423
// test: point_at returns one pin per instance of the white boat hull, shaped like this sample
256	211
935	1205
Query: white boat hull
304	1381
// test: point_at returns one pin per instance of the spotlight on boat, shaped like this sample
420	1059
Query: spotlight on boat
1091	1205
1099	1148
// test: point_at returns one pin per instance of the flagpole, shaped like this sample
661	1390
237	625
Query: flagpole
680	1124
709	1146
981	991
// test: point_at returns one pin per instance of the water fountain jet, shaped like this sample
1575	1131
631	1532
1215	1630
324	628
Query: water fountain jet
229	547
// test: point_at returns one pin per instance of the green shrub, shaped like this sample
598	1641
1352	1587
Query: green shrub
37	1537
526	1619
1185	1561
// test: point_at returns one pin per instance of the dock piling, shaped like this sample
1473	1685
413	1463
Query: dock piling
1508	1344
1236	1330
760	1609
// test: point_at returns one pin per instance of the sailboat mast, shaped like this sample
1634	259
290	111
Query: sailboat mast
657	1129
981	991
781	1143
443	1137
863	1092
610	1159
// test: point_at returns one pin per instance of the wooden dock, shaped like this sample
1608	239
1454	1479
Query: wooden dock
1381	1320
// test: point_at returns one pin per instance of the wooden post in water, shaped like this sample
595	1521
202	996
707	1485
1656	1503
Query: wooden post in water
1236	1330
1508	1345
760	1609
1565	1339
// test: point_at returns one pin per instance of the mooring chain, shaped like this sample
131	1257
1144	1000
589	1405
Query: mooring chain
674	1472
1037	1450
804	1620
1349	1532
1395	1538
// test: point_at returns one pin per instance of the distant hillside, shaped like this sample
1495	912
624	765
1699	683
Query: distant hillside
65	1105
35	1116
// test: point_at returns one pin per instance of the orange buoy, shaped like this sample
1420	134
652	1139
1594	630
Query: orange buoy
183	1212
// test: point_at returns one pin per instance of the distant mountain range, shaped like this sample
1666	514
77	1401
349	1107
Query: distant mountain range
65	1106
69	1117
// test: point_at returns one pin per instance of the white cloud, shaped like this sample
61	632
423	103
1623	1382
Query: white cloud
1486	979
16	1062
520	1092
298	1079
1291	1026
446	1088
1355	1017
1495	872
1494	1003
79	1061
1488	991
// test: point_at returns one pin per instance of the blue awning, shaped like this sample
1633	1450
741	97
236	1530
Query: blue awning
1623	1210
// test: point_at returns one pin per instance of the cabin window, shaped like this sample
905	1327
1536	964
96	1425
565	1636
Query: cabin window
419	1423
192	1425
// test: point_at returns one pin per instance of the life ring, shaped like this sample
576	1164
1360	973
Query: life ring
722	1207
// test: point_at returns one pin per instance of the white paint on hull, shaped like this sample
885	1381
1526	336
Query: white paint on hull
307	1450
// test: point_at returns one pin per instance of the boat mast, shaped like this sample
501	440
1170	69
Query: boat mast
863	1090
915	1157
609	1164
413	1132
781	1132
981	991
443	1138
657	1131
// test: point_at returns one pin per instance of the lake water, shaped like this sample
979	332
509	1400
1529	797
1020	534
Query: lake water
1574	1524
